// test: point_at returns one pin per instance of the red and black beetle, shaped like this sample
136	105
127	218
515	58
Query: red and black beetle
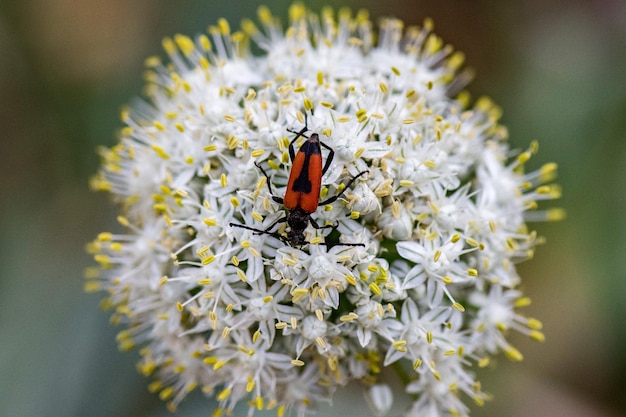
303	190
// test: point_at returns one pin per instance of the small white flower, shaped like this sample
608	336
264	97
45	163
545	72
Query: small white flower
413	262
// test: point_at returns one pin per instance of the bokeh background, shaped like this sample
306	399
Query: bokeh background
558	69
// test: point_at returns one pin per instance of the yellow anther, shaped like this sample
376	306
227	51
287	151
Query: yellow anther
555	214
534	324
398	344
166	393
152	62
207	260
223	26
350	279
320	342
455	238
224	394
319	314
458	306
169	46
472	242
456	60
513	354
308	104
297	362
375	288
160	151
320	78
185	44
523	157
105	237
225	332
538	336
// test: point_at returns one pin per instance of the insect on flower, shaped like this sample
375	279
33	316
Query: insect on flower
303	190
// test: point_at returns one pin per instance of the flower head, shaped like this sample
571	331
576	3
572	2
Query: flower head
420	268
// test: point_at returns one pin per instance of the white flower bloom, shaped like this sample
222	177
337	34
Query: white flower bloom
226	290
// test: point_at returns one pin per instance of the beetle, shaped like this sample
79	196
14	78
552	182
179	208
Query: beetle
303	190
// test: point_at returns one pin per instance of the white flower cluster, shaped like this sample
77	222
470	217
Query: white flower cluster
250	318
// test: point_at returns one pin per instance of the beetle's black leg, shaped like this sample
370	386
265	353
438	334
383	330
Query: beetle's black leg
262	232
267	229
292	152
271	226
317	226
334	227
335	197
279	200
332	245
329	158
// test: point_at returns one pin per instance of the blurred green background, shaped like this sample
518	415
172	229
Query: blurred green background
557	68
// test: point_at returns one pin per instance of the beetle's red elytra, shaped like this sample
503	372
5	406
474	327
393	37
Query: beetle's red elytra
305	178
